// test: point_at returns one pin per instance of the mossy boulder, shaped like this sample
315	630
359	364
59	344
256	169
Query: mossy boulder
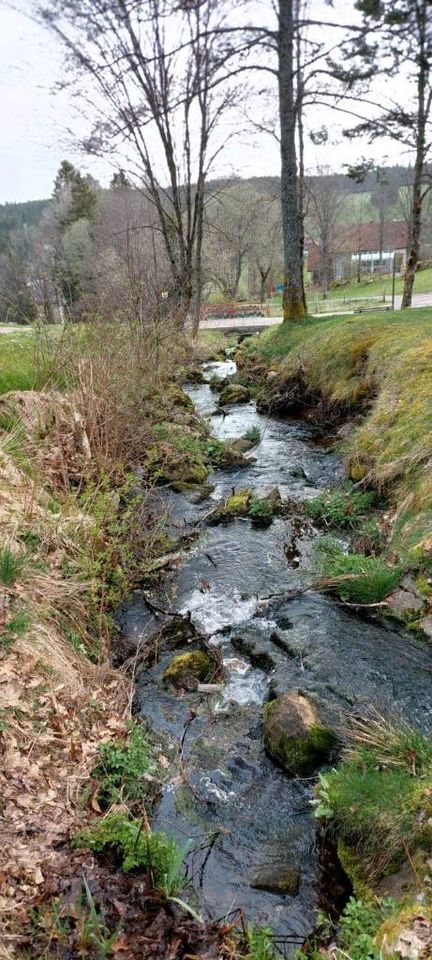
179	398
236	505
234	393
185	668
357	471
294	735
185	472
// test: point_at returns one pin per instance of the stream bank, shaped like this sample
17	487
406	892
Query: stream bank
244	594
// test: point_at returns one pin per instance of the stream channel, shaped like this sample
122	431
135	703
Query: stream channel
239	588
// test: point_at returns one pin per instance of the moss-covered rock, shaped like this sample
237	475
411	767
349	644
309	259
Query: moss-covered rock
357	471
196	665
184	472
234	393
235	506
294	735
179	398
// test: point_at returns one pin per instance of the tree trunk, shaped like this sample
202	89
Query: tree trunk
293	296
422	116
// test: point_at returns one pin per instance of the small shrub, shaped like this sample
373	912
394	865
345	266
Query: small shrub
260	511
123	766
138	850
11	565
253	435
354	577
359	924
340	508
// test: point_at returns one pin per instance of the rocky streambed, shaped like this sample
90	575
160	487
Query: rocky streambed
242	605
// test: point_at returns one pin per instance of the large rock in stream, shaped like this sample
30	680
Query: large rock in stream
234	393
294	735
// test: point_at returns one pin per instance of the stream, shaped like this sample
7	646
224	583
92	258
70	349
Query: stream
239	587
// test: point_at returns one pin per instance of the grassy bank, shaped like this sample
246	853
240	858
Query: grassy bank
80	414
375	369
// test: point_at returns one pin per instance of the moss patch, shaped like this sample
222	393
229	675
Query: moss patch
293	735
194	665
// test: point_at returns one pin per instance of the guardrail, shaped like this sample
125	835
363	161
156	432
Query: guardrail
336	305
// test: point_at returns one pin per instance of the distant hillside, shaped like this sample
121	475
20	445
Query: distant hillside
18	216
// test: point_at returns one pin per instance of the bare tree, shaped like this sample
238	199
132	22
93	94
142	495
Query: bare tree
231	220
326	205
153	72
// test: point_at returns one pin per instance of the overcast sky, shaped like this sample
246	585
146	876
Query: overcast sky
34	121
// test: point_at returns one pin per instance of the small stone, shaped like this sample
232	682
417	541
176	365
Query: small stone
278	879
404	602
425	624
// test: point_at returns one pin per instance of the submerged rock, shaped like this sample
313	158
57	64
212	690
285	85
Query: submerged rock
195	665
234	393
294	736
278	878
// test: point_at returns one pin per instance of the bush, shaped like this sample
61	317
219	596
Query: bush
11	565
354	577
253	435
138	849
123	767
340	508
380	799
260	511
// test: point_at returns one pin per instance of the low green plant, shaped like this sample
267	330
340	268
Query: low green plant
260	511
260	944
354	577
137	849
340	508
355	936
359	924
11	565
380	799
253	435
123	766
15	627
81	924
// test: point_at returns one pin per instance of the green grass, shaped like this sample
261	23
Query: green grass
378	363
379	800
341	508
354	577
11	565
17	362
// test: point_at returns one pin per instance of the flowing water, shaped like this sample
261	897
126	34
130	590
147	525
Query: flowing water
239	587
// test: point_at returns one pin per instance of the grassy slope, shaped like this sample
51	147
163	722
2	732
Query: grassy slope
388	357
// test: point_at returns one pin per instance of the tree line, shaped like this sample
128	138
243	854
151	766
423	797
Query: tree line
164	80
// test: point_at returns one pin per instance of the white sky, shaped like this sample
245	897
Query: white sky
34	121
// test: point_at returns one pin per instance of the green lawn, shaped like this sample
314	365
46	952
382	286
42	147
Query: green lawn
18	361
377	287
